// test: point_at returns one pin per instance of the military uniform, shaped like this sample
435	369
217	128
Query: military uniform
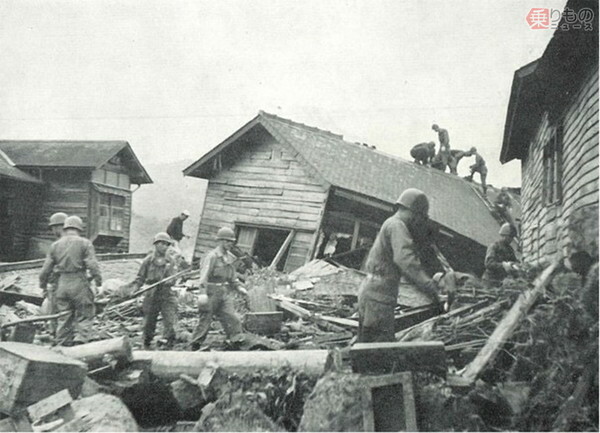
497	253
480	168
422	153
70	257
394	254
217	274
161	299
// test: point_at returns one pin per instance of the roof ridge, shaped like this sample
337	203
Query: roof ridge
301	125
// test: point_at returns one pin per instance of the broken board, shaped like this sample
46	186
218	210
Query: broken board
30	373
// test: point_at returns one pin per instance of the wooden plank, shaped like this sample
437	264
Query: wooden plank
49	405
387	358
507	325
282	249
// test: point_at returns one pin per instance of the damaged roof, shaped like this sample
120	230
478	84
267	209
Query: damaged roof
72	154
455	204
8	170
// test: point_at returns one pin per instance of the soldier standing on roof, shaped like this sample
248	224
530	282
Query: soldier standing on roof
444	144
156	266
217	276
500	259
423	153
394	254
71	256
478	167
55	224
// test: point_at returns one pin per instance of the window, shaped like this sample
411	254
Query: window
111	213
112	178
553	168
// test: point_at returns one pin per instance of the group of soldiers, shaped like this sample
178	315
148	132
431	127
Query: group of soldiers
71	267
402	248
425	154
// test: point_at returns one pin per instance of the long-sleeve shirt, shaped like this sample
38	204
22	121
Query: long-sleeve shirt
444	139
175	229
153	269
70	254
217	267
393	255
497	253
479	165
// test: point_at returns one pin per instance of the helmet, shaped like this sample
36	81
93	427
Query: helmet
415	200
73	222
435	127
507	230
473	149
162	237
57	219
185	212
225	233
431	144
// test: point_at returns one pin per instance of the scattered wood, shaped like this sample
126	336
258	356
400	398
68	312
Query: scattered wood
29	373
23	333
18	321
95	354
387	358
8	282
187	395
508	325
170	365
100	412
325	322
302	285
389	403
412	316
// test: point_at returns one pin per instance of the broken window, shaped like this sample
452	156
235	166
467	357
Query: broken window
264	244
553	168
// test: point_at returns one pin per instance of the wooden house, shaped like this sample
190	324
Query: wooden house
286	188
552	127
90	179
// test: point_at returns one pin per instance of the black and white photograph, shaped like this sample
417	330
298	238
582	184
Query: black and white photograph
299	216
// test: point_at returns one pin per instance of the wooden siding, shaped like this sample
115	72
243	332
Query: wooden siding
544	227
267	186
20	202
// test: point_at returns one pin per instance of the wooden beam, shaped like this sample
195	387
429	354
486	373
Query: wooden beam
387	358
355	234
365	200
508	325
282	249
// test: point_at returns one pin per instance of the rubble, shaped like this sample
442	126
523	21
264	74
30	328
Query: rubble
543	363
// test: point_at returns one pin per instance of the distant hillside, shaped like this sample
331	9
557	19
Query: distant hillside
155	205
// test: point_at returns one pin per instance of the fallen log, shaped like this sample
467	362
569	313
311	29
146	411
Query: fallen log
507	325
171	364
35	319
93	354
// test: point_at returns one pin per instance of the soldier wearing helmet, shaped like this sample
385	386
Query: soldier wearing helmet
155	267
55	223
218	278
500	259
479	167
393	255
70	257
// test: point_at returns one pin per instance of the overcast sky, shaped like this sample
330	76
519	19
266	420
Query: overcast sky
175	78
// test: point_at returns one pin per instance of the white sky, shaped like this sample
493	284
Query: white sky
175	78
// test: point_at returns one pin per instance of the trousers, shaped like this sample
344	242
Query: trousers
164	301
73	294
375	321
219	305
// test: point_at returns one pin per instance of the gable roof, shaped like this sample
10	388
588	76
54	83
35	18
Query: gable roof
73	154
548	83
363	170
8	170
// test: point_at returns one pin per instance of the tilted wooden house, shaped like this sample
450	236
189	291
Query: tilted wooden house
552	127
282	183
90	179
